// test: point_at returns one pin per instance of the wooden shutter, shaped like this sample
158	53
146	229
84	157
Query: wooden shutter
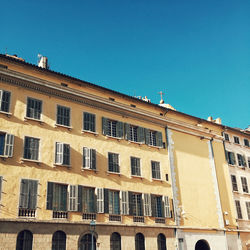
153	205
73	198
86	157
119	129
233	158
166	203
1	181
1	98
100	200
92	158
127	131
79	199
104	126
24	194
141	134
63	191
59	153
33	185
8	145
244	161
50	188
158	136
106	201
130	202
92	119
124	202
147	135
147	204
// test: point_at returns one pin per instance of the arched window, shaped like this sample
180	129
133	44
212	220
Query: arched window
202	245
115	241
161	242
59	241
139	242
86	242
24	240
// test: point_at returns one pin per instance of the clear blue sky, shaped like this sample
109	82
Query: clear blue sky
196	51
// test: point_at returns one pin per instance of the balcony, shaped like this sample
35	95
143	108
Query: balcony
113	217
60	215
138	219
26	212
89	216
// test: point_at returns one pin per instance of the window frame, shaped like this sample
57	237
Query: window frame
238	209
34	111
236	140
114	164
244	184
57	118
7	144
91	124
138	169
156	173
61	158
241	160
89	161
37	151
234	183
2	92
248	209
226	137
246	142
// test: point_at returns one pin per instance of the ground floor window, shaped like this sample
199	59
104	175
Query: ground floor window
161	242
24	240
115	241
86	242
139	242
59	241
202	245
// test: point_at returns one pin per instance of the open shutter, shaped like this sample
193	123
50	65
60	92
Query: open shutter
24	194
158	136
106	201
130	202
233	158
244	160
124	202
33	185
119	129
1	99
104	126
63	197
8	145
166	203
73	198
153	205
127	131
92	158
147	204
1	181
100	200
50	188
147	135
86	157
79	199
141	134
59	153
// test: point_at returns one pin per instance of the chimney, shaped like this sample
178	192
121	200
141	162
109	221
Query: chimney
43	62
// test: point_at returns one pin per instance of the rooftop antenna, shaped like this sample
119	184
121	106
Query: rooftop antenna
6	51
161	93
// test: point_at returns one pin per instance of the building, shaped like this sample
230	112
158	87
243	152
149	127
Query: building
237	150
73	152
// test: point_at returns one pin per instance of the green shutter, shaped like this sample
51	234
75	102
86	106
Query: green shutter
106	201
92	158
226	153
63	198
141	134
104	126
147	135
50	188
244	160
24	194
153	205
119	129
127	131
80	193
33	194
130	200
233	158
158	139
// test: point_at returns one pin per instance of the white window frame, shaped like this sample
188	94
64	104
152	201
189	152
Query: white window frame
61	154
62	125
39	149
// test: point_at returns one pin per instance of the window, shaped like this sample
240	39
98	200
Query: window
160	206
62	154
89	158
248	209
31	148
226	136
234	183
59	241
244	184
57	196
238	209
161	242
88	122
135	166
236	140
156	173
113	163
139	241
86	242
113	202
246	142
112	128
136	206
63	116
6	144
134	133
34	108
230	158
28	198
241	160
153	138
4	101
24	240
115	241
88	200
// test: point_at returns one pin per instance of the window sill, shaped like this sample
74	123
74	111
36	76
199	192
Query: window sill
232	165
90	132
137	176
136	142
112	137
4	157
115	173
155	179
22	160
62	165
63	126
89	169
152	146
33	119
6	113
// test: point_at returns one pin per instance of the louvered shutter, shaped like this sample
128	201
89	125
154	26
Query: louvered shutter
79	199
33	185
147	136
100	200
124	202
167	211
147	204
226	153
93	158
24	194
244	161
104	126
1	181
158	139
106	201
86	157
8	145
63	197
141	134
130	201
50	188
73	203
1	99
153	205
119	129
59	153
127	131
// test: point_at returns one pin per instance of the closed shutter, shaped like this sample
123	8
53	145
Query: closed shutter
86	157
1	181
130	201
167	210
104	126
147	136
93	158
33	185
50	188
63	197
73	203
66	154
59	153
153	205
124	202
92	118
141	134
100	200
106	201
79	199
127	131
8	145
158	139
24	194
119	129
147	204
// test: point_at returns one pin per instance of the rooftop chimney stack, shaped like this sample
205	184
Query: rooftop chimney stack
43	62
